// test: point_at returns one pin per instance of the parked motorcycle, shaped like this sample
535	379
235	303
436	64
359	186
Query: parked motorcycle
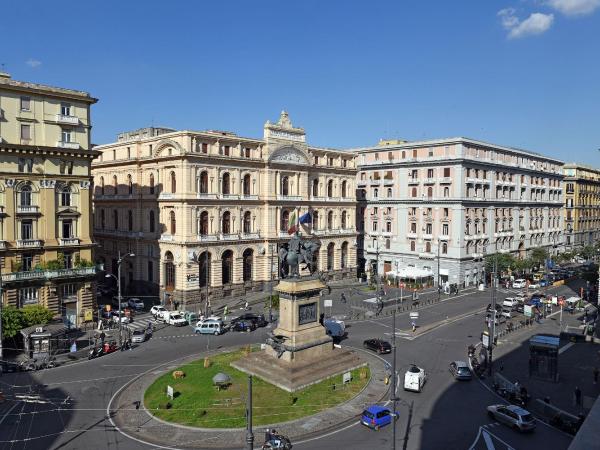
110	347
278	442
96	352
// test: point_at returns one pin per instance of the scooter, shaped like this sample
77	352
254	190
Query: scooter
278	442
96	352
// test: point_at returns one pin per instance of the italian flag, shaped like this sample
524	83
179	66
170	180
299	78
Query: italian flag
292	226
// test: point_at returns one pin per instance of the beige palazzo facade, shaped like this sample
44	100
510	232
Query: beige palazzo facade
45	199
206	212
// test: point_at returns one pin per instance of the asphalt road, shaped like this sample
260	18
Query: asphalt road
66	407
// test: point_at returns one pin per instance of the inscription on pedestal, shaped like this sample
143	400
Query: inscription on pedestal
307	313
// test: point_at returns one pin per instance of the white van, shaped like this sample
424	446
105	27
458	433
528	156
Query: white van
510	303
519	284
174	318
215	327
414	379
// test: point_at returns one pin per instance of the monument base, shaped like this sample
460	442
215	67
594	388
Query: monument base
294	376
299	352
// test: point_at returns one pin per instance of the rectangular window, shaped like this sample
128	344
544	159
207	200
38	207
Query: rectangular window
446	212
27	229
21	164
388	227
28	296
128	152
25	103
374	226
247	152
226	149
428	228
150	271
445	229
68	291
68	258
67	228
25	132
204	147
330	161
65	109
66	135
446	172
26	262
429	173
413	227
414	153
70	167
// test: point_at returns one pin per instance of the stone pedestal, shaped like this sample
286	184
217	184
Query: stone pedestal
299	352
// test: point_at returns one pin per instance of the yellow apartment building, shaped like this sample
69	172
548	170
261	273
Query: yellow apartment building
45	199
582	205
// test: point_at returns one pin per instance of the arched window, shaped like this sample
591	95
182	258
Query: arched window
151	183
344	260
330	188
375	192
102	185
315	220
247	257
389	192
427	247
445	248
130	220
226	223
173	182
330	220
403	154
344	219
446	191
203	185
429	192
151	218
330	255
246	185
203	223
172	222
344	189
285	217
204	261
285	186
169	272
412	246
315	188
247	223
227	267
25	195
115	219
225	187
130	184
65	196
115	184
102	219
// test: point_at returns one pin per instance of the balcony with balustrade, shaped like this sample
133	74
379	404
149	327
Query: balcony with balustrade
229	236
66	120
206	195
3	245
68	241
207	238
28	209
29	243
249	236
70	145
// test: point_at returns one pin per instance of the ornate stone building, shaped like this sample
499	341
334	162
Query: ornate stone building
435	208
205	212
45	199
582	205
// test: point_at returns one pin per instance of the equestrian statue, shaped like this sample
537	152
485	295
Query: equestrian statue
296	252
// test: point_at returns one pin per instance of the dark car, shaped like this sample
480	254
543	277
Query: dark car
258	319
377	345
243	325
460	370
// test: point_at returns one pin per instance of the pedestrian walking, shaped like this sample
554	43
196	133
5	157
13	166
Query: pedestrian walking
343	298
577	396
596	373
246	306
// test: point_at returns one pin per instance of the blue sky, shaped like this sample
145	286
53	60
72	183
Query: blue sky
522	73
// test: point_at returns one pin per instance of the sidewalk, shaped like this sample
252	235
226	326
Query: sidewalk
140	424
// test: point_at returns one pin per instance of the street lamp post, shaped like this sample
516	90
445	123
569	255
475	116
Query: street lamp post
438	270
118	278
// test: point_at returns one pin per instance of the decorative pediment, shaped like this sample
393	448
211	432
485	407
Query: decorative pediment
289	155
166	145
68	211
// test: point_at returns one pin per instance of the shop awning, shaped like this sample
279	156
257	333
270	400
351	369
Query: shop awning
410	273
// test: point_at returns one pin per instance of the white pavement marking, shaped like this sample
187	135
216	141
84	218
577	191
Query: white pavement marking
8	413
566	347
488	440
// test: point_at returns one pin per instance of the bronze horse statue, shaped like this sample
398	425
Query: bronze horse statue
298	252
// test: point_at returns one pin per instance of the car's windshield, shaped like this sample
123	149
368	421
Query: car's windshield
176	317
527	417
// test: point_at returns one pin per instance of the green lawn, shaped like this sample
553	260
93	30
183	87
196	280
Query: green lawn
198	403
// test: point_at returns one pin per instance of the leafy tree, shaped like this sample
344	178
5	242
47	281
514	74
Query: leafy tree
12	321
538	256
587	252
504	262
35	315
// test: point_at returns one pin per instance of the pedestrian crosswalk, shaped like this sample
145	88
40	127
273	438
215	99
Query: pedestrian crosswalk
140	322
486	440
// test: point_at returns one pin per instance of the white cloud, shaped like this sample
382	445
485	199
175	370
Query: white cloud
574	7
536	23
33	63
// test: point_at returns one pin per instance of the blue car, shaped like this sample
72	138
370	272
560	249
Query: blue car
376	417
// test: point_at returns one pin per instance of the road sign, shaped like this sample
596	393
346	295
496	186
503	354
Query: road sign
414	315
347	377
170	392
527	311
402	285
327	303
485	339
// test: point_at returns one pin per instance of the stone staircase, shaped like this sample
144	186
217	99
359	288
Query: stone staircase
292	376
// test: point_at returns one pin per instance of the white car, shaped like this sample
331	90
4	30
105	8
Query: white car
534	285
116	316
414	379
174	318
157	311
519	284
135	303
